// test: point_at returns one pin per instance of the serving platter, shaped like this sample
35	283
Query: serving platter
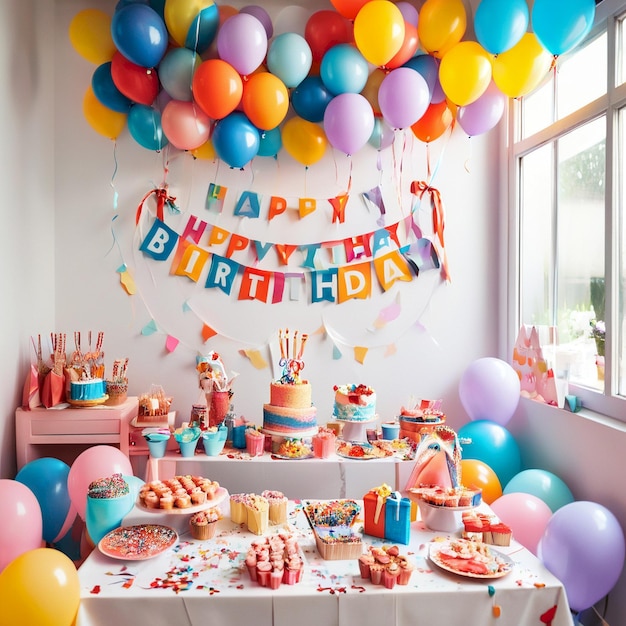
138	542
220	495
499	564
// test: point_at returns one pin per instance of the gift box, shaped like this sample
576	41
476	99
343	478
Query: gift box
374	510
397	518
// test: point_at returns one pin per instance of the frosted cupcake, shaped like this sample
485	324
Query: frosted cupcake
277	506
203	524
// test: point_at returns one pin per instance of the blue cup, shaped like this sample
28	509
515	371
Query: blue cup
390	430
102	515
188	448
157	448
214	441
239	436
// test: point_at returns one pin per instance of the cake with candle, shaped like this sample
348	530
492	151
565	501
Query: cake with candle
354	403
290	411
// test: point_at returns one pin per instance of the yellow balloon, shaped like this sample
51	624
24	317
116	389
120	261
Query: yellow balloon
465	72
519	70
40	587
90	34
441	25
379	31
179	16
205	152
102	119
303	140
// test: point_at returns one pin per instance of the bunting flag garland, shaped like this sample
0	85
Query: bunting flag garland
126	280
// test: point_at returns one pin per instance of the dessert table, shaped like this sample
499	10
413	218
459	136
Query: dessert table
200	582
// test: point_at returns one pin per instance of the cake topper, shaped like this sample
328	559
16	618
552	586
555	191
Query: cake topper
291	361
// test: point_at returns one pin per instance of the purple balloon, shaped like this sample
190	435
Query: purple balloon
262	15
403	97
409	13
489	390
588	563
242	42
348	122
483	114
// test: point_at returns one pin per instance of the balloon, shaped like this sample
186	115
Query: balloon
441	25
478	475
40	587
588	563
105	90
242	42
139	34
382	136
409	13
176	72
144	125
185	124
348	8
206	151
544	485
236	140
291	19
91	464
519	71
265	100
428	67
344	70
203	29
348	122
181	15
490	389
500	25
484	113
325	29
407	49
90	35
103	120
403	97
562	25
217	88
262	15
310	99
289	57
492	444
21	524
465	72
526	515
379	31
304	141
434	122
270	143
47	479
135	82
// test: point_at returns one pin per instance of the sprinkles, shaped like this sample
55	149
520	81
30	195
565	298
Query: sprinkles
138	542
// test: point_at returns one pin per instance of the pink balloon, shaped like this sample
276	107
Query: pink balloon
242	42
483	114
21	524
348	122
185	124
91	464
527	515
403	97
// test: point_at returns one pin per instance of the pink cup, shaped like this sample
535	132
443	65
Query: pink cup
323	446
255	443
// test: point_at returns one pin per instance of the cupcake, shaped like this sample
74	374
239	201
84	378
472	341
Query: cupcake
365	561
203	524
376	573
390	575
277	506
500	534
405	571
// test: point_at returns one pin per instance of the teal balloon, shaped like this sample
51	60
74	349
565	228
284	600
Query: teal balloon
203	29
492	444
270	143
176	72
500	24
290	58
344	69
106	92
236	140
144	125
544	485
310	99
560	25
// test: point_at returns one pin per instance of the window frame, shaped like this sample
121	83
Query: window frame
608	15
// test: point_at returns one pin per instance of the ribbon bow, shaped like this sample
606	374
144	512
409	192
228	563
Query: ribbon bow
162	198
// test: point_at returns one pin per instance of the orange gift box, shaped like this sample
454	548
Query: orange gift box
374	511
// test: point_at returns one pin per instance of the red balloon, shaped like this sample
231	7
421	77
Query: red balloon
408	48
325	29
349	8
140	84
433	123
217	88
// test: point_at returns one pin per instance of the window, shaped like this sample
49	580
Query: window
568	164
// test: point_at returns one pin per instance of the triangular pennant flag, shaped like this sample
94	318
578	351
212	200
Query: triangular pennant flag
391	350
256	358
186	306
127	280
336	353
149	329
171	343
207	332
360	352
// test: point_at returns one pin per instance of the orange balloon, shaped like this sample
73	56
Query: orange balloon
348	8
441	25
225	11
103	120
370	91
217	88
303	140
476	474
265	100
433	123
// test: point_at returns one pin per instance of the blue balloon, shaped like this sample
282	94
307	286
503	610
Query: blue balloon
106	92
203	29
271	142
144	125
176	72
561	25
344	69
310	99
494	445
428	67
140	34
499	24
544	485
236	140
47	479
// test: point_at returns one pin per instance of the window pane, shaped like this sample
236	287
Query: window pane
621	326
538	109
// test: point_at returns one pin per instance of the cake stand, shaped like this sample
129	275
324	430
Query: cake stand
356	431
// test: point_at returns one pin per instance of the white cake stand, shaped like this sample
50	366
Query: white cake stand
356	431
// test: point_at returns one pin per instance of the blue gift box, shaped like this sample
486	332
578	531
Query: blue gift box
397	518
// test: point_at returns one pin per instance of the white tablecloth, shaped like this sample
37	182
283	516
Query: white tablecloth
207	583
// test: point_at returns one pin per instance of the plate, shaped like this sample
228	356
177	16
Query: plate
220	496
503	563
138	543
351	450
94	402
416	497
293	458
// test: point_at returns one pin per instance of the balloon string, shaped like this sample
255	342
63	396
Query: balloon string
115	165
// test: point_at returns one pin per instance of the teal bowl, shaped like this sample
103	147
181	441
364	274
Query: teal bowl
188	448
213	443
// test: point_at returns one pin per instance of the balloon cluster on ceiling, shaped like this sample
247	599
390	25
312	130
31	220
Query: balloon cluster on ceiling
218	81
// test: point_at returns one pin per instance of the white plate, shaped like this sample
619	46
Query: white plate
220	496
310	455
505	564
367	449
137	543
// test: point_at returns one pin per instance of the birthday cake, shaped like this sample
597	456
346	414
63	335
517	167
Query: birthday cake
290	411
354	403
91	389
